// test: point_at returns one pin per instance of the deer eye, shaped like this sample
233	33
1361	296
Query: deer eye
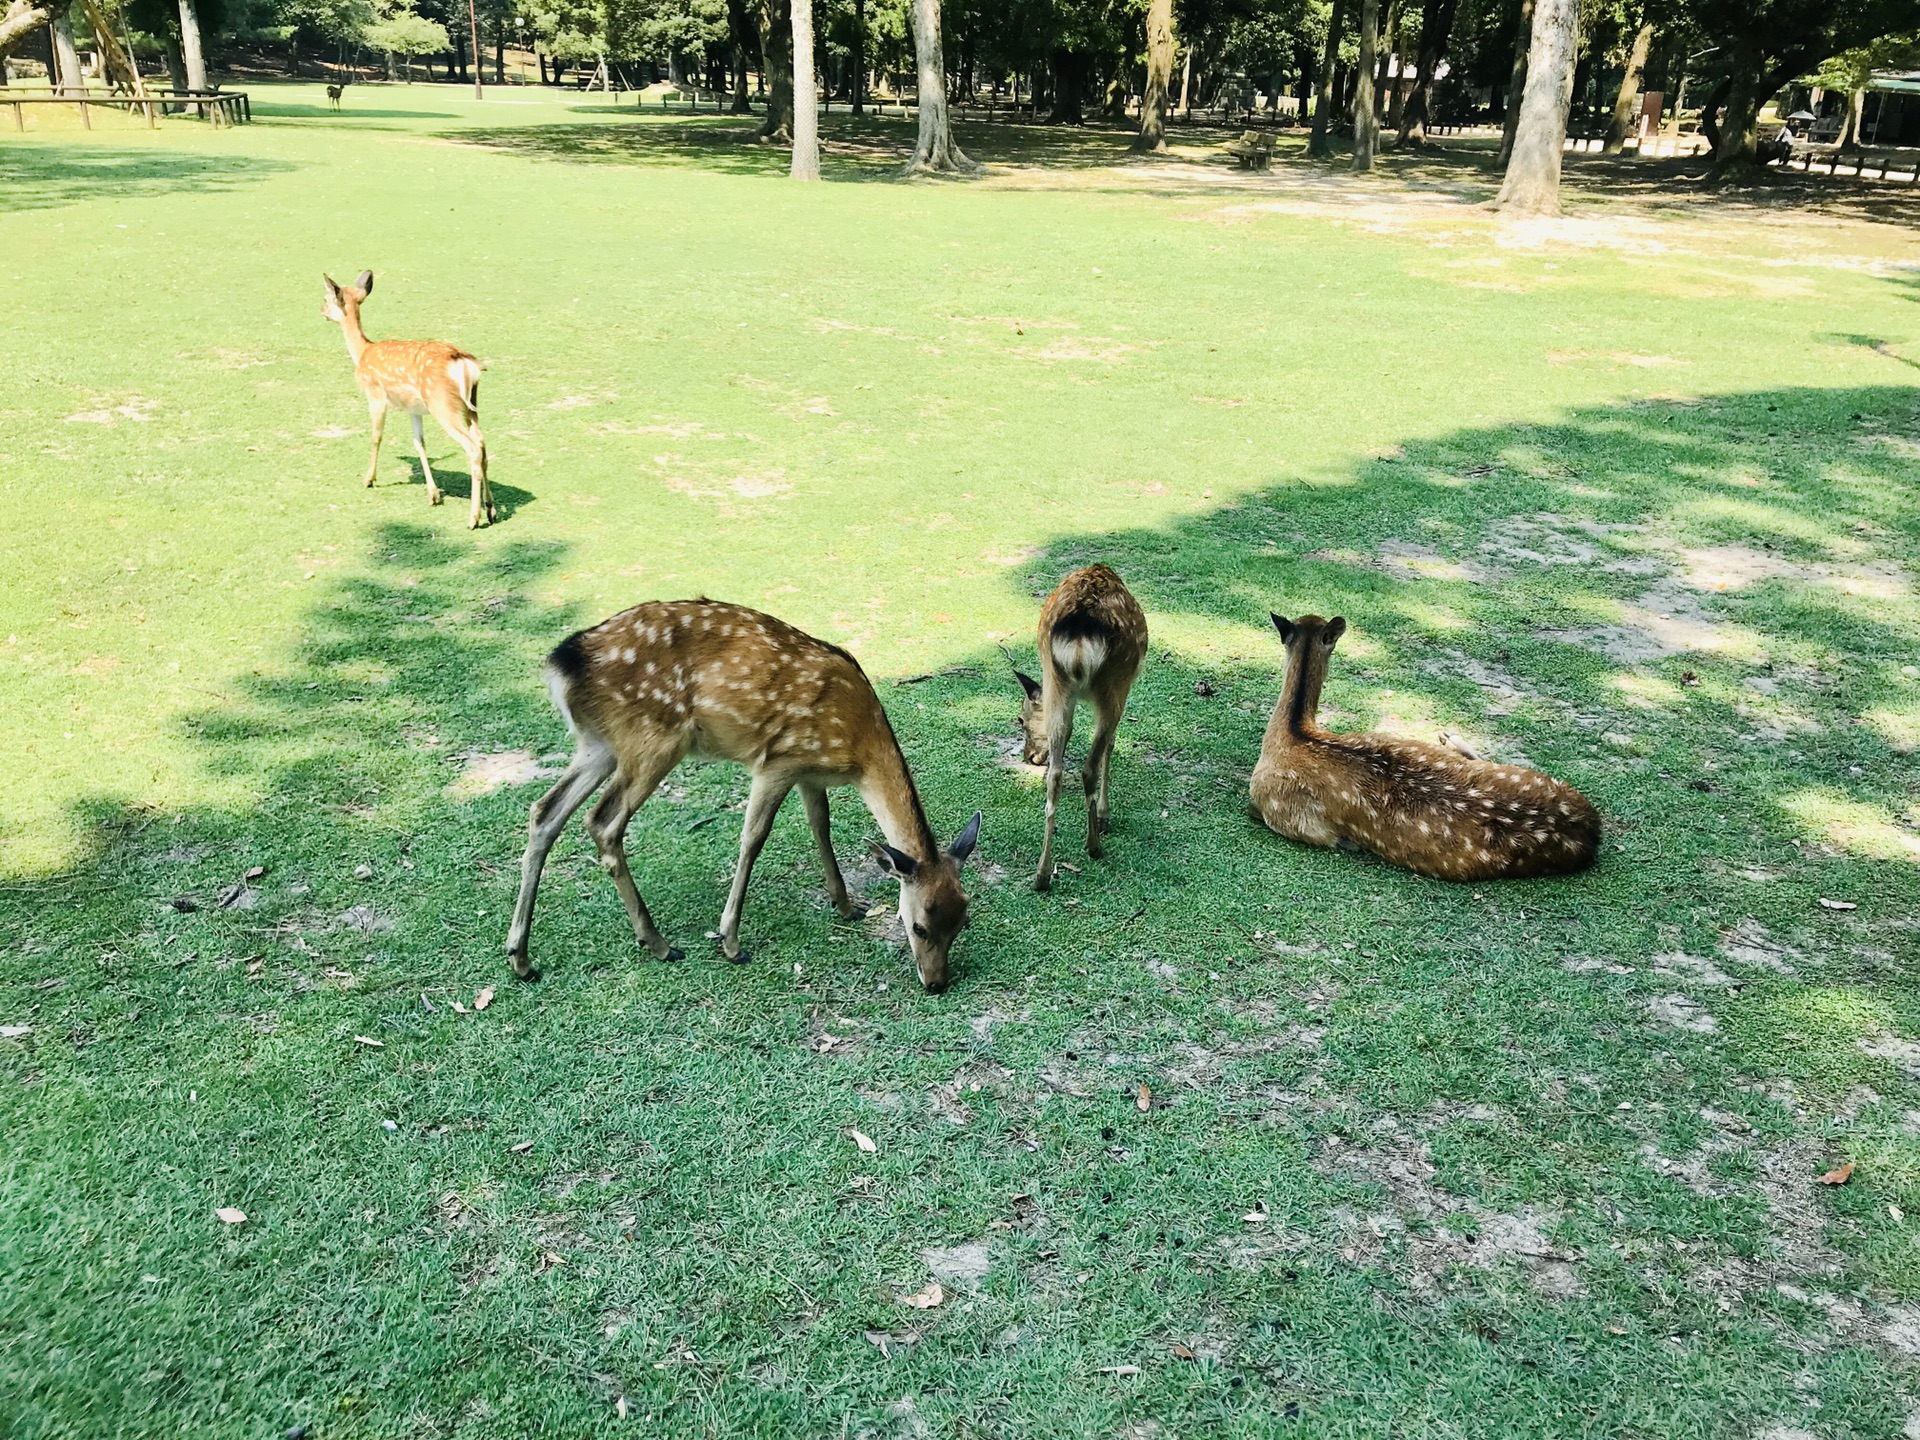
919	929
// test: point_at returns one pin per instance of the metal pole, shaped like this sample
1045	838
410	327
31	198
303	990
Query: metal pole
473	21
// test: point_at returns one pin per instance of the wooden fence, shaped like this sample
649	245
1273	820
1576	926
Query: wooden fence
217	108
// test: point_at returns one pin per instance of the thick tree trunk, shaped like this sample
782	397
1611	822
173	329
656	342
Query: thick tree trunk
1186	85
1320	141
859	57
806	113
20	20
740	30
1532	184
499	55
190	51
1066	89
933	148
776	30
66	53
1436	25
1389	42
1516	83
176	70
1366	127
1626	105
1850	133
1748	87
1153	100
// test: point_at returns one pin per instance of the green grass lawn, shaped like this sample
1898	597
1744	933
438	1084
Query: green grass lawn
1631	496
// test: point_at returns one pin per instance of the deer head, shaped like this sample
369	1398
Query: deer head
933	907
1033	718
339	296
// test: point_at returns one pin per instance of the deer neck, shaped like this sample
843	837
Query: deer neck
1295	718
887	788
357	341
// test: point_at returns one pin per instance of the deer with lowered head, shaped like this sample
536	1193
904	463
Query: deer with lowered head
664	681
1092	640
1433	810
421	377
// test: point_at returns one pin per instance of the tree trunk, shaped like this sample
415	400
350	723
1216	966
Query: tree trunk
1366	128
21	19
176	70
120	69
1390	41
1186	85
1517	83
1066	89
933	148
1532	184
190	51
806	113
1436	24
1626	105
1850	132
1748	88
859	57
776	30
499	53
1153	100
66	53
1320	142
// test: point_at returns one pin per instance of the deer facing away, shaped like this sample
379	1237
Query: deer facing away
1092	639
1432	810
663	681
334	92
421	377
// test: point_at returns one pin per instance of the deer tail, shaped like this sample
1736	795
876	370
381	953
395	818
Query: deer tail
465	373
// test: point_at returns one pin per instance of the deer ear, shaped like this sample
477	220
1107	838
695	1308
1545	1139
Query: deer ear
332	289
964	842
1285	626
1336	627
896	863
364	284
1028	684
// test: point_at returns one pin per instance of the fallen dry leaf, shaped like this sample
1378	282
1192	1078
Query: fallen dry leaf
522	1148
874	912
862	1141
1119	1369
620	1407
925	1298
1838	1175
1826	904
1180	1351
14	1032
1144	1100
458	1008
231	1216
483	999
369	1040
254	872
1255	1216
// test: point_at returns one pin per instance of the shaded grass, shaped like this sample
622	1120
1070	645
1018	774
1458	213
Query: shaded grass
937	406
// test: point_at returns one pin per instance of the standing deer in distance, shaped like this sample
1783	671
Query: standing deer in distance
1092	640
421	377
664	681
334	92
1432	810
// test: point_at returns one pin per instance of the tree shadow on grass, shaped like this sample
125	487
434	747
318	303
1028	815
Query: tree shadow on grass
579	1176
42	177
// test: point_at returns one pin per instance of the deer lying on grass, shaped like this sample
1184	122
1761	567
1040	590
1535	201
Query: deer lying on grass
657	683
1430	809
421	377
1092	639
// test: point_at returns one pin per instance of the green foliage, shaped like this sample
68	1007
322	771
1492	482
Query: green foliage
405	32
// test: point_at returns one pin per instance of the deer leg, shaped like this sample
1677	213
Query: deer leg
1059	731
592	763
463	425
763	803
814	797
377	413
426	466
1093	775
608	827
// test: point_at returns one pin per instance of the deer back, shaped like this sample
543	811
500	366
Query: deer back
723	681
1092	634
414	374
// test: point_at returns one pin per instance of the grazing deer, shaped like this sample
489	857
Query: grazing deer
1433	810
1092	639
421	377
657	683
334	92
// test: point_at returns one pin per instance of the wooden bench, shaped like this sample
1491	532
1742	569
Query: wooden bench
1253	150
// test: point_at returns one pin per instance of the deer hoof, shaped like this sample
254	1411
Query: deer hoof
523	970
1043	882
674	952
739	957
